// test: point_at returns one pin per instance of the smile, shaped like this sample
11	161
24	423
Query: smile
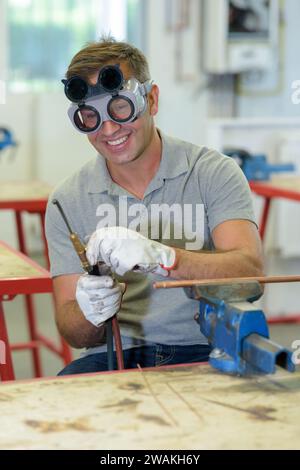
119	141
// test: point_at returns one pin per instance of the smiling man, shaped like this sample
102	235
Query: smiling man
151	206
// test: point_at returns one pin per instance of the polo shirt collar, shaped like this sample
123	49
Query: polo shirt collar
99	178
173	163
173	160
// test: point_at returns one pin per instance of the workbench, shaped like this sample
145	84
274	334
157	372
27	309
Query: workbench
20	275
173	407
30	197
25	196
279	187
283	187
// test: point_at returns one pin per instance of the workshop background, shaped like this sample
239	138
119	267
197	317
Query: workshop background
240	90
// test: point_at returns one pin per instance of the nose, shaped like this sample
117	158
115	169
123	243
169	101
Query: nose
109	128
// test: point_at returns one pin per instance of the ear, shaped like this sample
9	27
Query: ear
153	96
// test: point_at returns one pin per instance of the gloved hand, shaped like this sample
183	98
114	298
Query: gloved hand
99	297
126	250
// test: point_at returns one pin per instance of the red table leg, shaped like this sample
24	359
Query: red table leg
65	351
29	302
264	217
6	369
36	338
33	334
262	232
20	231
42	221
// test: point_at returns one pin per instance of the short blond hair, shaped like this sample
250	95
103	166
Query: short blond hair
95	55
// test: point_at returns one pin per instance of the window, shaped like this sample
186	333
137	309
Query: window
43	35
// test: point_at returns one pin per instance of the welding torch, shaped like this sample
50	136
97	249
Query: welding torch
100	269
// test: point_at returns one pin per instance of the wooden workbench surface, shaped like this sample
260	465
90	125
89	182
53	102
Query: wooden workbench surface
24	190
15	265
187	407
289	182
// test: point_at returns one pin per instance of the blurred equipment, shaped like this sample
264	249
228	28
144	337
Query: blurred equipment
240	35
256	167
7	140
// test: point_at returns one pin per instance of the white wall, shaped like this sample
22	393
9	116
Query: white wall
279	104
16	114
183	105
60	149
3	49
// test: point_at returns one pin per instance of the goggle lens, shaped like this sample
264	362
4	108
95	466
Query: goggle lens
76	89
111	78
120	109
86	119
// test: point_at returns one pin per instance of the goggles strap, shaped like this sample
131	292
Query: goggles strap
147	86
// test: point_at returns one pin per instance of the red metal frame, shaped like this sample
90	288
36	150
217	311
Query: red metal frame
9	288
27	205
6	370
13	286
37	206
269	191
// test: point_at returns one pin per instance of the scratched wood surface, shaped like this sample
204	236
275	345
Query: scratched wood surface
187	407
24	190
11	265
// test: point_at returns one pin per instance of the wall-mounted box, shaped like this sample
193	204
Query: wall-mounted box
239	35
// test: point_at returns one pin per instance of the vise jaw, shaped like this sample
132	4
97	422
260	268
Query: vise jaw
237	330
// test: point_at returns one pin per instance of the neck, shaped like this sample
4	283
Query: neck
136	175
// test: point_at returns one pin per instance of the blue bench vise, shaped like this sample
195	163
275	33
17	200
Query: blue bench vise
256	167
237	330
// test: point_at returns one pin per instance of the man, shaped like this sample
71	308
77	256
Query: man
150	206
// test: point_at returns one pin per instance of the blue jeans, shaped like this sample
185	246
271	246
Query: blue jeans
145	356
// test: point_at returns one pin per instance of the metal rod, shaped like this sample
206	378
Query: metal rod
78	245
225	280
57	203
110	344
118	343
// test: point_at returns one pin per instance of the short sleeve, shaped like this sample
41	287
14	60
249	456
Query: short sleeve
227	195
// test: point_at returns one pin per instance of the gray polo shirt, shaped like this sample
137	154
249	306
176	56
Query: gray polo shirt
194	190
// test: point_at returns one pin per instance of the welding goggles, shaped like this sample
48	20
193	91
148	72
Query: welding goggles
111	98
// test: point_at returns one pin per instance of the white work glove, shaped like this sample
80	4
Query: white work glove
99	297
126	250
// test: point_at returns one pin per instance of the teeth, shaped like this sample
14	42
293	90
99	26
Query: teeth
118	142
